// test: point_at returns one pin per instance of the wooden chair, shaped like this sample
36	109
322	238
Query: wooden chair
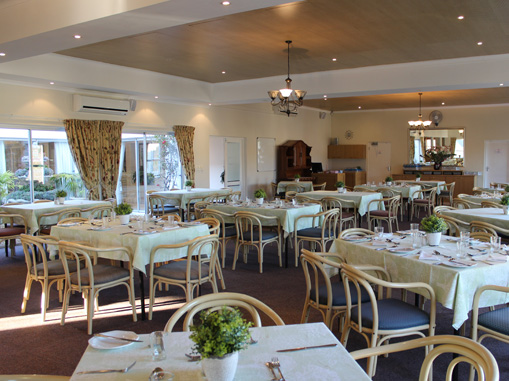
190	208
196	269
481	236
464	349
46	220
480	226
319	186
384	317
199	207
322	231
364	189
161	205
440	208
306	200
214	228
423	199
176	217
98	211
14	226
388	214
446	193
250	232
491	204
359	232
289	196
294	188
345	216
458	203
452	226
71	220
227	232
90	277
213	302
234	196
42	270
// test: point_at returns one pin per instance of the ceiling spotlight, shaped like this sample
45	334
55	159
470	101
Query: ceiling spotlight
501	84
443	103
334	59
479	43
359	107
461	17
210	104
52	83
77	36
156	97
225	3
223	72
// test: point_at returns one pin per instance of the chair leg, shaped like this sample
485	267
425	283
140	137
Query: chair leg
132	300
236	254
260	257
67	295
305	311
220	273
44	299
26	293
90	309
151	298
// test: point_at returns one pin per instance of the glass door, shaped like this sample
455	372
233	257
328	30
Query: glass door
234	163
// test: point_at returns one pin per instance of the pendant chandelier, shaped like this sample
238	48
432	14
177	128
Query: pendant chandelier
286	99
419	124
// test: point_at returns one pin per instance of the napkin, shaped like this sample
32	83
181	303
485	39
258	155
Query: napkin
377	242
427	256
490	258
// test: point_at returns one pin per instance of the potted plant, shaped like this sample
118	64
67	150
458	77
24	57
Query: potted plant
218	338
418	177
505	203
123	211
259	196
388	180
433	226
296	177
341	186
6	183
189	185
61	195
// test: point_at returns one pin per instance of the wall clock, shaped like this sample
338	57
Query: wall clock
349	134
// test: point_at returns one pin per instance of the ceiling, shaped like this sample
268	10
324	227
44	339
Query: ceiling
251	45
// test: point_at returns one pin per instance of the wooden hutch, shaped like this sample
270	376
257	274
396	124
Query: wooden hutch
294	157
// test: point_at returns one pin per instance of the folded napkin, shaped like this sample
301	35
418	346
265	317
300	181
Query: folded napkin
377	242
427	256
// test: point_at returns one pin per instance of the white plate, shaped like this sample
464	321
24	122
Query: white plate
357	239
144	232
99	229
68	225
402	250
458	265
107	343
194	223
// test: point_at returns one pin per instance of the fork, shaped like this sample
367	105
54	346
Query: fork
125	370
275	364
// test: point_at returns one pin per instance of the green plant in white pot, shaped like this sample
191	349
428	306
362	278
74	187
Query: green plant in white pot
388	180
218	338
340	185
189	185
505	203
296	177
6	183
434	226
61	195
123	211
259	196
418	177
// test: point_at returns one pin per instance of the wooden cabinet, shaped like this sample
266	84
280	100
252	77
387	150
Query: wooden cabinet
350	179
347	151
294	157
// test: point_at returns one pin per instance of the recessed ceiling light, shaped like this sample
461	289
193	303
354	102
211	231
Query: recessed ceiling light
501	84
443	103
359	107
77	36
210	104
52	83
461	17
334	59
2	54
223	72
225	2
156	97
479	43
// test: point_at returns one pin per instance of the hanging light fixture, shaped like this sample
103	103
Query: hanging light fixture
287	99
420	124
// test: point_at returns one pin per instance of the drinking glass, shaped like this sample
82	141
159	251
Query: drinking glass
414	227
139	225
171	221
157	345
461	249
464	236
495	244
106	222
113	215
379	232
90	218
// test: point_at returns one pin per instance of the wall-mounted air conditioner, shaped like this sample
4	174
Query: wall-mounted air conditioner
85	103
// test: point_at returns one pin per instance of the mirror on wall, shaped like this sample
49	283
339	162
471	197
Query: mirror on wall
421	140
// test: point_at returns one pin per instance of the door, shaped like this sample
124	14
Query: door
227	163
378	161
496	153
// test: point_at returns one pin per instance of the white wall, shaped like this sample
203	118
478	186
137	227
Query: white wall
36	108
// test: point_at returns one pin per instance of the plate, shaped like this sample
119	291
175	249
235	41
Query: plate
357	239
69	224
107	343
144	232
99	229
458	264
402	250
194	223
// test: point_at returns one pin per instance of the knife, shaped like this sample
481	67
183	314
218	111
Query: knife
118	338
302	348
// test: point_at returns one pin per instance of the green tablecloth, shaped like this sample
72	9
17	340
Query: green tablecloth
140	245
184	196
454	287
360	199
32	211
406	191
494	216
307	185
285	215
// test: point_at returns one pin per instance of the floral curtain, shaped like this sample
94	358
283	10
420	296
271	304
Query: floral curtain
95	147
411	149
184	136
111	144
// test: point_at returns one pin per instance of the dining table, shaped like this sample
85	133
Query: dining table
475	200
326	363
306	185
426	183
494	216
185	195
360	199
31	212
454	281
406	190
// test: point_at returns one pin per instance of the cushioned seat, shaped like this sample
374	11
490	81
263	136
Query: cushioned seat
177	270
315	232
420	201
497	320
392	314
379	213
5	232
55	268
338	294
102	274
45	230
230	231
266	234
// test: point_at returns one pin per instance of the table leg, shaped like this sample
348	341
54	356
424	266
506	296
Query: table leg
286	243
142	295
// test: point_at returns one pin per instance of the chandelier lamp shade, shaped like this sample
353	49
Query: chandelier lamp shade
419	124
287	99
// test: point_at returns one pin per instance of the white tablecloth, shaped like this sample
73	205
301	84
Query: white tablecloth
184	196
307	185
494	216
360	199
406	191
332	363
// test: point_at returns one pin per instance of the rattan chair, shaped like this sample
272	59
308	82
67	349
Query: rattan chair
452	226
13	226
485	227
190	208
46	220
389	212
39	201
440	208
446	193
423	199
307	200
319	186
251	232
227	231
161	205
274	189
198	208
294	188
491	204
345	216
459	203
213	302
234	196
98	211
322	231
482	236
197	267
91	278
356	232
384	317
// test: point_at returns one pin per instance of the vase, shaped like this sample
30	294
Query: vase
437	165
124	219
61	200
341	190
259	201
505	209
388	183
297	180
220	368
188	188
434	238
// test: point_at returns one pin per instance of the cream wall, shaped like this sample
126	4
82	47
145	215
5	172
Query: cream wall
27	107
480	122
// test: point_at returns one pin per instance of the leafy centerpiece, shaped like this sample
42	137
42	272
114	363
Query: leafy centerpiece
260	195
296	177
505	203
189	185
123	210
434	226
438	155
218	338
388	180
61	195
340	185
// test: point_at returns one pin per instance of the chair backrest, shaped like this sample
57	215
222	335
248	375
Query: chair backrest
295	188
319	186
386	192
290	195
459	203
306	199
213	223
48	219
440	208
364	189
10	219
491	204
220	216
466	350
249	225
480	226
198	208
71	220
234	196
98	211
482	236
355	232
217	301
274	189
34	248
176	217
329	203
157	204
452	225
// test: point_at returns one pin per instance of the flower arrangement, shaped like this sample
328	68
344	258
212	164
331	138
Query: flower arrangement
123	209
260	193
438	154
433	224
505	199
220	333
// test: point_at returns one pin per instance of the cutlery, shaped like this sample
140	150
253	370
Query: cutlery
275	364
125	370
193	357
310	347
271	367
461	263
118	338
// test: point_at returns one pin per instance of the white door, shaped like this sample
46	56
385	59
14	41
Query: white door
227	154
496	153
378	162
